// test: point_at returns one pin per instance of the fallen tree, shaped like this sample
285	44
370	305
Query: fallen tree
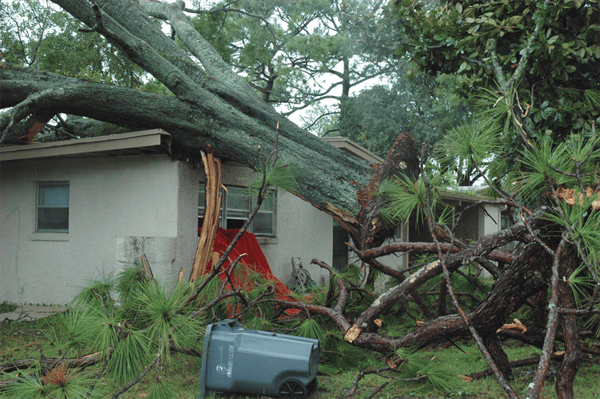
213	106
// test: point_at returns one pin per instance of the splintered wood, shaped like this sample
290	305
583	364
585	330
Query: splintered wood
352	333
340	213
517	325
147	268
204	252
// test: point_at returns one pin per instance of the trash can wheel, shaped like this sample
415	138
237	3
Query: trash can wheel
293	389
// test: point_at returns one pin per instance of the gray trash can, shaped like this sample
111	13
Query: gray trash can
257	362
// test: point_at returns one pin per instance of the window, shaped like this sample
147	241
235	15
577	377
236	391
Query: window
52	211
236	205
504	221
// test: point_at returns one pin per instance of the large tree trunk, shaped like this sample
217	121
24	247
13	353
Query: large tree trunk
328	175
212	105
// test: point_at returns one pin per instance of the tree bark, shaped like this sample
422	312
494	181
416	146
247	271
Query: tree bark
401	159
540	301
485	247
328	176
500	357
524	277
212	105
570	364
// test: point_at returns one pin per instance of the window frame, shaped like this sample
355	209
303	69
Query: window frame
39	206
223	216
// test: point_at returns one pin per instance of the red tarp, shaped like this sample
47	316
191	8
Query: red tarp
253	261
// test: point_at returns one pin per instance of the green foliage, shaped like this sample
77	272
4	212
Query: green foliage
535	175
350	273
158	313
7	307
96	293
311	328
131	354
73	329
394	327
584	223
472	142
280	174
437	376
469	149
532	69
59	383
146	321
559	85
106	329
129	282
38	36
25	388
210	290
580	282
405	198
292	51
423	106
163	390
538	175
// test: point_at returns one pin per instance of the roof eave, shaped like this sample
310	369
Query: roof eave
154	139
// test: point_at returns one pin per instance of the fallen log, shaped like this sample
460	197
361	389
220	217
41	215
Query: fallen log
49	362
531	361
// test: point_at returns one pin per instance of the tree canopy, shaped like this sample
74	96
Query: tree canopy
556	90
208	99
302	53
531	64
530	67
44	38
426	107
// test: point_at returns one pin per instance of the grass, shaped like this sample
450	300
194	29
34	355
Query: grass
18	340
7	307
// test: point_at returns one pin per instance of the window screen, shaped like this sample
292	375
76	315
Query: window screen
52	207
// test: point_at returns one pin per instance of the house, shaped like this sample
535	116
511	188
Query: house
77	210
475	222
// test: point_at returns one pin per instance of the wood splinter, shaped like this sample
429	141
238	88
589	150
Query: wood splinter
352	333
517	325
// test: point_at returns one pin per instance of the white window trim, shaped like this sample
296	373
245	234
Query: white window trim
50	235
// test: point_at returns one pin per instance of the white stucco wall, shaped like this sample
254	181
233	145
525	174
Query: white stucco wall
118	205
120	208
187	208
302	232
490	219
